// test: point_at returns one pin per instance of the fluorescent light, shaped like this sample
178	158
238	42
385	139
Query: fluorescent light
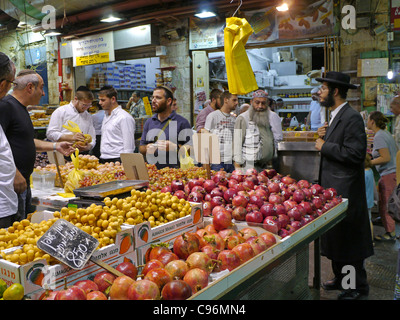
205	14
390	75
51	33
110	19
283	7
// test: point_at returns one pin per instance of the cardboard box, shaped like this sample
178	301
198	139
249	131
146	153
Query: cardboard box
37	275
144	234
168	239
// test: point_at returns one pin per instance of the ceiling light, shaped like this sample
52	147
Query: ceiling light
390	75
282	7
205	14
52	33
110	19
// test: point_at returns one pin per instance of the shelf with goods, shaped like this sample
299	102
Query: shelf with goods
131	239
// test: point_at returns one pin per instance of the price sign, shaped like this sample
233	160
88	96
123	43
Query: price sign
68	244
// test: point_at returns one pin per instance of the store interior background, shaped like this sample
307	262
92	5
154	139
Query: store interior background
171	24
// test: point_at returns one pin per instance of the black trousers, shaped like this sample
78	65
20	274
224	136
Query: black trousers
360	273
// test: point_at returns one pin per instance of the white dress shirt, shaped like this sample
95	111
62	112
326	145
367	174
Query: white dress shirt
276	126
8	197
60	117
335	112
98	121
117	134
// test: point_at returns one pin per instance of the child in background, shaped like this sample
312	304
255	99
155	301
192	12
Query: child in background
369	185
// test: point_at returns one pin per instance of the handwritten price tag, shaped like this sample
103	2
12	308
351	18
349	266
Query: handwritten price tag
68	244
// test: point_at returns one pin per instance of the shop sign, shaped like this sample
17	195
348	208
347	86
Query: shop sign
93	49
395	15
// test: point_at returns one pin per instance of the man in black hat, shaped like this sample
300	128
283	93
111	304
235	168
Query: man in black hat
343	144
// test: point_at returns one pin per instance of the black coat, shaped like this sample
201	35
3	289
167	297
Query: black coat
342	168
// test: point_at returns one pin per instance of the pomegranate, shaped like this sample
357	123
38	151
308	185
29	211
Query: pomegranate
268	209
316	189
275	198
87	285
210	229
217	209
257	244
167	257
210	251
247	233
119	288
233	241
197	279
177	185
207	208
195	197
273	187
226	233
72	293
303	184
143	290
240	201
299	195
104	279
254	217
176	290
185	244
288	180
239	213
283	220
222	220
177	269
217	201
128	269
268	238
215	240
160	276
181	194
244	251
209	185
200	260
271	224
227	260
257	200
152	264
96	295
229	194
156	250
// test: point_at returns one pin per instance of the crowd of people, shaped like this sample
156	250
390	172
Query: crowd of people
248	139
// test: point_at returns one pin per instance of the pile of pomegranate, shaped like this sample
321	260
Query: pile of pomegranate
278	203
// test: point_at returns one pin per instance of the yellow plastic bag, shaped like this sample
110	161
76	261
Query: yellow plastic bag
73	127
241	79
75	176
187	161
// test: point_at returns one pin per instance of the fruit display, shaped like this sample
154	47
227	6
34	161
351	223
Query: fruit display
13	292
278	203
102	222
172	274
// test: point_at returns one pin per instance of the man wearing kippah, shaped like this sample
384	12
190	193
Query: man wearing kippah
257	132
75	111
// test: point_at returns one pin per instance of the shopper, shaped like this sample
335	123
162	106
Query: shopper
343	147
174	106
369	187
97	124
118	127
165	132
243	108
221	123
395	108
18	127
215	104
384	159
8	197
254	143
75	111
315	111
135	105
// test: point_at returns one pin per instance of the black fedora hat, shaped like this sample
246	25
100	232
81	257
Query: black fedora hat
337	78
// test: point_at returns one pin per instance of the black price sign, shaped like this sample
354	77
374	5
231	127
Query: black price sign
68	244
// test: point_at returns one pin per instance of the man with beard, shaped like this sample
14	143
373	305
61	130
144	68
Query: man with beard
118	127
215	104
165	132
257	132
343	145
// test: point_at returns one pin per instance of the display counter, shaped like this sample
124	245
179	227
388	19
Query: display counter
299	159
282	271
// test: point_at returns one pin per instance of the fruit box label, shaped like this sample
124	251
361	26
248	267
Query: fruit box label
144	234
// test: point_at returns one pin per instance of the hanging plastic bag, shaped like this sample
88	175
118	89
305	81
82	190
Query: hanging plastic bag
241	79
73	127
294	122
75	176
187	161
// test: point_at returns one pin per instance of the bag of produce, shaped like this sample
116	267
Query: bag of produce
186	161
75	176
73	127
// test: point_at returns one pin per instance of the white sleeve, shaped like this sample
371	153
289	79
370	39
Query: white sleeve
276	126
92	132
128	127
54	128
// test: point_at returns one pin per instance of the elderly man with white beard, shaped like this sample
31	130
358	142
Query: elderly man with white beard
256	134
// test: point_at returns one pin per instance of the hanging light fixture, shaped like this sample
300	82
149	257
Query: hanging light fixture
110	19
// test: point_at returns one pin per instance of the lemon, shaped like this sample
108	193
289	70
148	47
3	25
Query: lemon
14	292
3	287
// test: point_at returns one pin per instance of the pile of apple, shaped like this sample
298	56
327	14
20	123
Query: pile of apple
278	203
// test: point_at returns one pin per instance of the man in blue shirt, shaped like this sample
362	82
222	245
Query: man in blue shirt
165	132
